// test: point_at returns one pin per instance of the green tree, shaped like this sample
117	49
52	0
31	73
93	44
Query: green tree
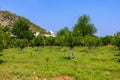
50	42
21	44
5	35
106	40
61	36
116	40
71	42
84	27
66	38
21	29
39	41
91	41
32	43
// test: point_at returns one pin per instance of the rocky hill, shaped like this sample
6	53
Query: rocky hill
7	19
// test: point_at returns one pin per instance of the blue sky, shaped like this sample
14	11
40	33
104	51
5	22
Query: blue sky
56	14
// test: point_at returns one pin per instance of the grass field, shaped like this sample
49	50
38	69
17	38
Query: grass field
54	64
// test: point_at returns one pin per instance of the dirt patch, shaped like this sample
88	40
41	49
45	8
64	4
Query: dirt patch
59	78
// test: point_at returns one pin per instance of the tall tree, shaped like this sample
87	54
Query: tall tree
84	27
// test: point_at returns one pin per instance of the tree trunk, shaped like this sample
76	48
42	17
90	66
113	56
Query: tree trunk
38	48
21	50
50	48
71	52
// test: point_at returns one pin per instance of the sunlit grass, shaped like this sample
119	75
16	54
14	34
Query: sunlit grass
95	64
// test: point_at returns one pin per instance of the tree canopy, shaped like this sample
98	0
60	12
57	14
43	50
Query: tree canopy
21	29
84	27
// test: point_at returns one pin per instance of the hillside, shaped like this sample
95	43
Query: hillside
7	19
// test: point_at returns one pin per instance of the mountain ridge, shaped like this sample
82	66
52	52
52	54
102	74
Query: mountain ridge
8	19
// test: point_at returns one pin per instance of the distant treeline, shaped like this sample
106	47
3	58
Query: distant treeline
82	34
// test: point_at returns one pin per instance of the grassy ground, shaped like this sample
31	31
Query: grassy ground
54	63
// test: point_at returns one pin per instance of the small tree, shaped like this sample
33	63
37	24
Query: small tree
32	43
66	38
106	40
61	36
116	40
91	41
50	42
71	41
39	41
21	43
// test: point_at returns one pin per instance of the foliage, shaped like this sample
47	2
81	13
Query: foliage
106	40
2	40
38	41
21	43
116	40
32	43
6	29
61	36
79	35
66	37
21	29
84	27
50	41
91	41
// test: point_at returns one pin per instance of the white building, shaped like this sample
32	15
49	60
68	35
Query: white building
37	33
47	35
